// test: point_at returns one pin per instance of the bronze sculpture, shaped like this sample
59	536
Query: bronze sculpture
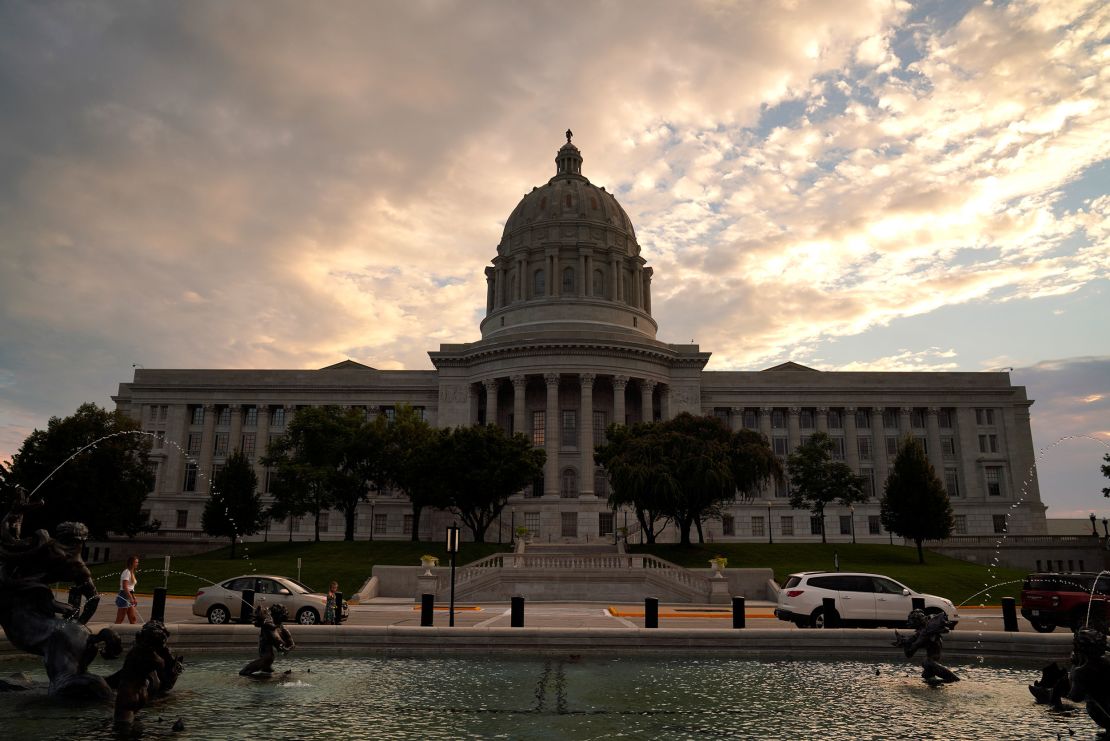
927	634
1090	674
273	636
37	623
149	670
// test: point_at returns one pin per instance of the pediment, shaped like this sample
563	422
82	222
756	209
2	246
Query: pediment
790	366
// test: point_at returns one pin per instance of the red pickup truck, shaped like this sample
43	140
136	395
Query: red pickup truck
1050	600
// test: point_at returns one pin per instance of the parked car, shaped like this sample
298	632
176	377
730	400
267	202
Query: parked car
1061	599
222	603
859	600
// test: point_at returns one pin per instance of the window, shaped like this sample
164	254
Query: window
786	524
406	525
250	416
601	482
728	525
568	281
153	469
600	423
917	418
152	413
890	418
569	437
984	417
988	443
194	443
779	445
948	448
568	201
569	525
159	439
224	418
867	480
757	525
874	525
836	420
945	417
391	414
721	413
891	446
952	482
751	419
537	486
863	419
532	522
599	284
604	524
816	524
923	442
216	468
538	283
220	447
190	477
182	519
569	489
325	520
782	487
864	446
248	444
268	481
845	524
837	448
198	415
277	416
778	419
380	523
420	413
994	481
539	431
806	418
999	524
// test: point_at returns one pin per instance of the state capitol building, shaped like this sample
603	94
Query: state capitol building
568	346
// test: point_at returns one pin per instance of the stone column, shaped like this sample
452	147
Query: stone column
765	430
207	445
472	403
851	444
878	452
823	419
491	400
647	289
646	406
619	385
615	279
261	443
936	455
551	436
586	435
498	288
638	287
665	401
235	435
520	410
904	428
793	429
735	418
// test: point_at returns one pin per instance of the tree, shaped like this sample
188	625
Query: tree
92	467
234	508
410	461
1106	473
915	504
816	480
684	469
480	467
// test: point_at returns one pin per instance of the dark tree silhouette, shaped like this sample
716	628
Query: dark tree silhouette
234	508
915	504
816	480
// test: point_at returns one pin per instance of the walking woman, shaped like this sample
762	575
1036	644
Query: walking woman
126	603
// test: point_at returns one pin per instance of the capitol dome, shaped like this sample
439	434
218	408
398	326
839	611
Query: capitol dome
568	260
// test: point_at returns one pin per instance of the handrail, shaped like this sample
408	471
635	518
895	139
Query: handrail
570	562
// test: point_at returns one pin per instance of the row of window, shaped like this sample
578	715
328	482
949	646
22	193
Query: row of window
807	417
568	437
277	414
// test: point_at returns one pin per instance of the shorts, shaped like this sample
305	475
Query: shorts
121	601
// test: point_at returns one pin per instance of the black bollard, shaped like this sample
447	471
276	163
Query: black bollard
738	612
158	609
338	608
651	612
516	613
1009	615
246	615
427	606
832	618
917	603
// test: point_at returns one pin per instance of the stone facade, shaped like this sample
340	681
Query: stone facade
567	347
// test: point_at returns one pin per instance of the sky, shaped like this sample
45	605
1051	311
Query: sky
869	185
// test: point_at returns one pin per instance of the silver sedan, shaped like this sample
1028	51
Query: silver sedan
222	603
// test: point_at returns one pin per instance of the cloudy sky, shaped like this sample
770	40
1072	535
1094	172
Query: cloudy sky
859	185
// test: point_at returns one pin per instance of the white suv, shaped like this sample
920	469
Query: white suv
858	600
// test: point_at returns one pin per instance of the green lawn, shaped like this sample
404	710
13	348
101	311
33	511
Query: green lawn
947	577
350	564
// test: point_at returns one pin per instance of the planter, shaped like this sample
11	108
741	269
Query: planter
718	569
428	564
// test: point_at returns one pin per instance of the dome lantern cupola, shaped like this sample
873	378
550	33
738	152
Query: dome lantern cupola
569	159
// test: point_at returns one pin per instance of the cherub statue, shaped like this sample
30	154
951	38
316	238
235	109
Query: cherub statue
1090	674
149	670
273	636
927	635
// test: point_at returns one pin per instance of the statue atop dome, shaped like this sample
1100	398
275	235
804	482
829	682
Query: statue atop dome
569	135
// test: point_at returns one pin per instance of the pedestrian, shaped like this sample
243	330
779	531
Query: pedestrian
331	610
126	603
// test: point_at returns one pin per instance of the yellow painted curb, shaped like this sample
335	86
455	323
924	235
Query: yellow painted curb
448	607
723	613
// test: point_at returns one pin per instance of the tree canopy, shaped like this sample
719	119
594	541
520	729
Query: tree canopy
104	485
1106	473
410	461
915	504
683	470
234	508
816	480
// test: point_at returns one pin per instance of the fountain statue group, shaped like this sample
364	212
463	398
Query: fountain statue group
1087	680
35	622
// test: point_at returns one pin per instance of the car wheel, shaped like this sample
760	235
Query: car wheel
821	619
218	615
1042	627
307	616
935	611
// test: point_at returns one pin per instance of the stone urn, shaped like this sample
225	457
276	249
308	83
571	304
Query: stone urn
429	563
718	566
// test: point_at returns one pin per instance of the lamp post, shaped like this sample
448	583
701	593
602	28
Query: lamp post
1094	530
852	517
1105	529
452	548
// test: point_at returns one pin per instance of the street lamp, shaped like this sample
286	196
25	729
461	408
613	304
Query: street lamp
1094	530
852	517
452	548
1104	528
